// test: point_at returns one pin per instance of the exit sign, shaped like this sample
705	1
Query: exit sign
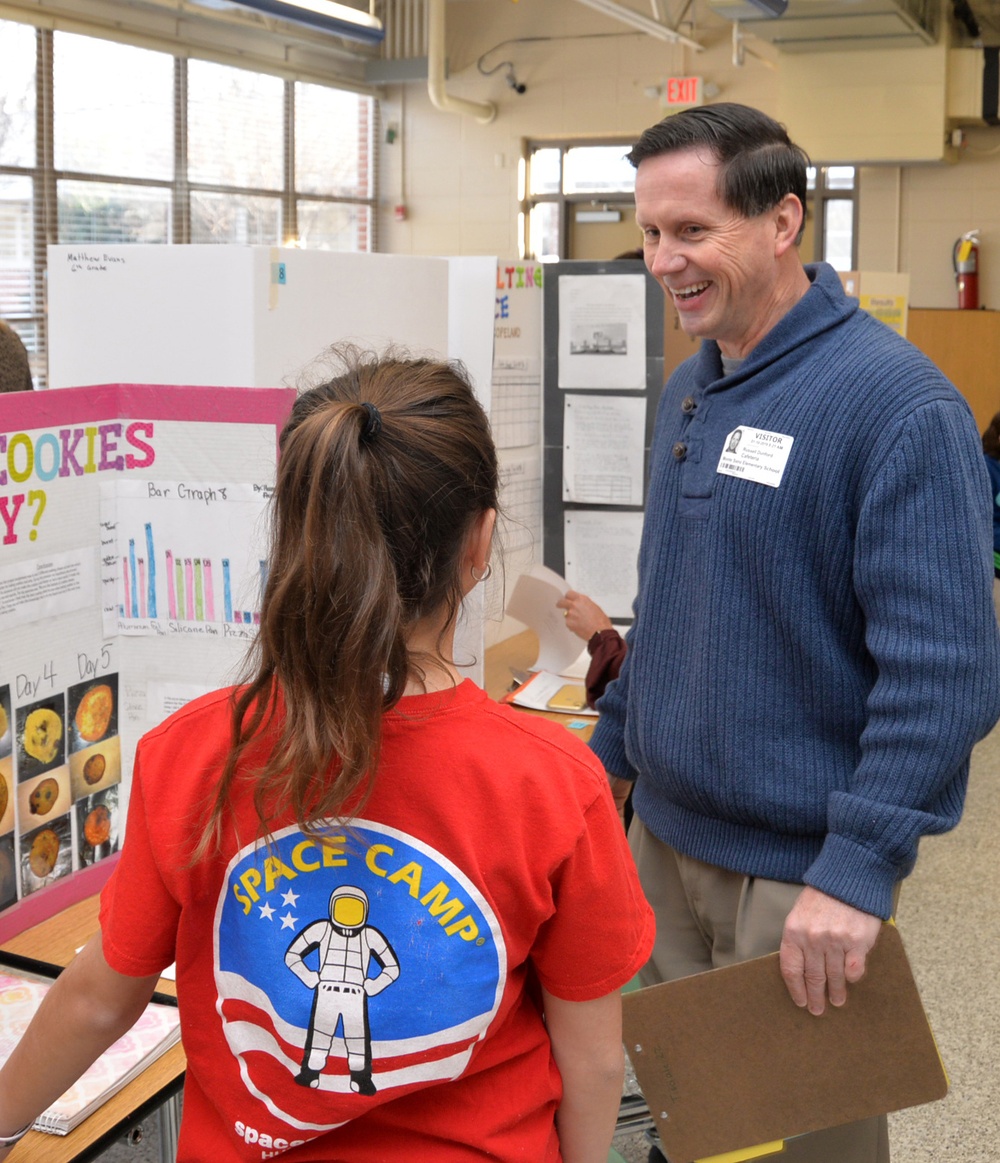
682	91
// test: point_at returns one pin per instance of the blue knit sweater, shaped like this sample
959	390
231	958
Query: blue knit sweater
810	665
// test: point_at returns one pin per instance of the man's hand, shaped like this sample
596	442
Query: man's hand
620	789
823	949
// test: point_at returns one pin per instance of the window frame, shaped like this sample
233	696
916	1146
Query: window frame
44	178
817	197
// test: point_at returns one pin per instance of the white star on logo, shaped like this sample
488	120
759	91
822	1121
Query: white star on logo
288	921
266	911
290	898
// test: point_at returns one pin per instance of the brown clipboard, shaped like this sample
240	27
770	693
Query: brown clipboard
726	1060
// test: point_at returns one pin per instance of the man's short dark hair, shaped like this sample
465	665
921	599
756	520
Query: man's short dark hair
759	163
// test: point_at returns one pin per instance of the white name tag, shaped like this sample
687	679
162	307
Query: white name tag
755	455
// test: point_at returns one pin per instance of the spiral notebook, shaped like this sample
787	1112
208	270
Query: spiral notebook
157	1029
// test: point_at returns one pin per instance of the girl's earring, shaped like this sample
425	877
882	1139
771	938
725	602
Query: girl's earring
487	573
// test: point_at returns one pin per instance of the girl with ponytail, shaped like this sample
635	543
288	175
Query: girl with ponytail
401	914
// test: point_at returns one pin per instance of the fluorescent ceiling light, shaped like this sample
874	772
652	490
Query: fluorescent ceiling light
643	23
340	19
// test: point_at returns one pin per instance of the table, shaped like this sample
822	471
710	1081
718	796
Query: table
518	653
55	942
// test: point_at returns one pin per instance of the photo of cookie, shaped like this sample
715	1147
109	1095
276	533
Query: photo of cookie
4	795
8	881
44	852
43	797
6	734
97	826
94	712
43	731
94	768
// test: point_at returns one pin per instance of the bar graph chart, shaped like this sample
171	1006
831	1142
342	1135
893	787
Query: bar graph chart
189	554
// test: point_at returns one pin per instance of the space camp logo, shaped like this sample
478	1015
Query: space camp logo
363	966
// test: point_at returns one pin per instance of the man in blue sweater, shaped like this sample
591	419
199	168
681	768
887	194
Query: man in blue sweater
815	650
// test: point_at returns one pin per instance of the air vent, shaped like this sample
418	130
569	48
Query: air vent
838	25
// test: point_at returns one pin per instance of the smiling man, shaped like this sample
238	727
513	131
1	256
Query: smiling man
815	649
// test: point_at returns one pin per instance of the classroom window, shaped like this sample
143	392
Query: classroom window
145	147
235	127
95	212
566	178
95	130
831	217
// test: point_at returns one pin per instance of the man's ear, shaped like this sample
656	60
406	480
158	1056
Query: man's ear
789	218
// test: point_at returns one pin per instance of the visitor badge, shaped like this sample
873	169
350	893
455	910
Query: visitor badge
755	455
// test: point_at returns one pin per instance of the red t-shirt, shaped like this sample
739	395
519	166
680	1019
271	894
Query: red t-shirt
322	989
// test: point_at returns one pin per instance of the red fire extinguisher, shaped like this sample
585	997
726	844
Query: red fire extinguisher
965	260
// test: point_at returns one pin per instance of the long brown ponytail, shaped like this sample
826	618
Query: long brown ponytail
382	473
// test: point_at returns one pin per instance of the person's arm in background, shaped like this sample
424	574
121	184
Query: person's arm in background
583	615
922	576
586	1041
604	644
89	1007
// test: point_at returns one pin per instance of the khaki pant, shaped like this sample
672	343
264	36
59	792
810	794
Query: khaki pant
707	917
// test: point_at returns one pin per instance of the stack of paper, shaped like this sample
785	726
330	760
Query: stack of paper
156	1031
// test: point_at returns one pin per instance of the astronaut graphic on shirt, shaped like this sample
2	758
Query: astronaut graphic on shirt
345	944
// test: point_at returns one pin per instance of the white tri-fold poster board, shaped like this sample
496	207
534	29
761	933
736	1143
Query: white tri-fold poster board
132	515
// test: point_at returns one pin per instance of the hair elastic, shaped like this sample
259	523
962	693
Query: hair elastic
373	423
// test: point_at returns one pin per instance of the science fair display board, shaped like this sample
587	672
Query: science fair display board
132	532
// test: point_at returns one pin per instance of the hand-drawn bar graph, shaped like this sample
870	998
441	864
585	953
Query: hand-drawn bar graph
164	574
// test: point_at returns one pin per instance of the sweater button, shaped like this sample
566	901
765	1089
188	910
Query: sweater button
688	405
680	450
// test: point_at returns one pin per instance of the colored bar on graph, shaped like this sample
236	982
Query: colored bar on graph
189	587
125	574
227	590
247	617
179	579
133	595
209	593
171	591
142	587
263	580
151	558
199	593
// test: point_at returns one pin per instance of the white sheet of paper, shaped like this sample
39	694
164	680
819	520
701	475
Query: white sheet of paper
755	455
540	688
521	500
603	449
601	552
42	587
164	698
516	413
533	602
602	331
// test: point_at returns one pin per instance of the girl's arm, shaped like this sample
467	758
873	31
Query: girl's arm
88	1007
587	1046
